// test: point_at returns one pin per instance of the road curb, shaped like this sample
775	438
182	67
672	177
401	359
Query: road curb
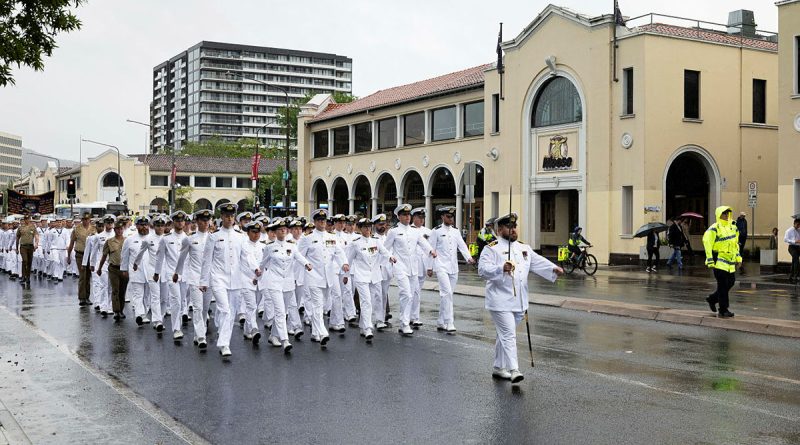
10	431
757	325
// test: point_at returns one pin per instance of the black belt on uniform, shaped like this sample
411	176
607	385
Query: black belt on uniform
113	266
79	251
26	245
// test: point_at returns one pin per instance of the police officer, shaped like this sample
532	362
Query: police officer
721	243
221	273
486	235
278	261
447	242
403	241
505	265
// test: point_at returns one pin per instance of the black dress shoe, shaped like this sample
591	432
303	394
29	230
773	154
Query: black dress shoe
122	316
725	314
185	319
711	304
116	316
139	321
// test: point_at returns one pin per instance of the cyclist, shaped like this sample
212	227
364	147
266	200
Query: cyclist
574	242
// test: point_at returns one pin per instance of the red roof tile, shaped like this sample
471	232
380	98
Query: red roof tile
708	35
449	82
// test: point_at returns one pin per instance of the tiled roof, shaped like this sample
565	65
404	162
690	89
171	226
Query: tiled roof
208	164
449	82
707	35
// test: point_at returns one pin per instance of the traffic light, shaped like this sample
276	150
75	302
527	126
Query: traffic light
268	197
71	188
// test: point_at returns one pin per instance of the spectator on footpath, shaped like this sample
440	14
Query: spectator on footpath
653	243
676	240
773	240
741	224
792	238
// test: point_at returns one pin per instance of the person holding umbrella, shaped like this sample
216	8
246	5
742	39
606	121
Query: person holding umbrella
651	231
676	240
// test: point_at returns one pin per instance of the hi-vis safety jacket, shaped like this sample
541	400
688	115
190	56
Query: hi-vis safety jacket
721	241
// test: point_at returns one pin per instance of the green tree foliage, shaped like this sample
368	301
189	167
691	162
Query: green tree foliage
28	29
183	198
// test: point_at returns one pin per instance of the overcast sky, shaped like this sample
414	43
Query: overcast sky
101	74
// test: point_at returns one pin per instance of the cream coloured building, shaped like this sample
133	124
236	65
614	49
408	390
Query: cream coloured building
789	119
676	119
142	180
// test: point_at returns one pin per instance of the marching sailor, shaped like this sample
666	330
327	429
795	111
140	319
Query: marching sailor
221	273
327	258
252	251
294	324
190	264
505	264
100	283
447	242
137	278
365	254
146	259
380	302
423	264
278	261
167	261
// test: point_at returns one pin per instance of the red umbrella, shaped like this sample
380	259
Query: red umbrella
692	215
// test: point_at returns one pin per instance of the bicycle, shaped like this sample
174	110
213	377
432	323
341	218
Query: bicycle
585	261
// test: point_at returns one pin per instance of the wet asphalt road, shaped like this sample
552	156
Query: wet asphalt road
598	379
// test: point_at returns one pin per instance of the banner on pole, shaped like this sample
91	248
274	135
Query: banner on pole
254	167
21	203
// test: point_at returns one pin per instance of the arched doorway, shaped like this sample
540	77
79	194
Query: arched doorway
386	192
413	189
110	187
362	196
183	204
202	204
341	197
442	189
690	185
319	195
159	205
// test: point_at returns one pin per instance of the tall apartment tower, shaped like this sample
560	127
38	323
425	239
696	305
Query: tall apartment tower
218	90
10	157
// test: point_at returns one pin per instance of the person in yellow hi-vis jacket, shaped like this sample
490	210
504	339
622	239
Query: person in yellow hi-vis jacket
721	243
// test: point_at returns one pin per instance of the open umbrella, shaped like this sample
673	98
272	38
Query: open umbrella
692	215
650	227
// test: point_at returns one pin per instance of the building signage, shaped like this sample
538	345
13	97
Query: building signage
557	152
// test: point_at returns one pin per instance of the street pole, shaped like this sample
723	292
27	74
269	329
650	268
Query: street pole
287	175
172	178
119	171
256	202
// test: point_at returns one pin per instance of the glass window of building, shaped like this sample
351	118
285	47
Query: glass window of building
759	101
363	137
244	183
443	124
627	91
224	182
202	181
414	126
557	103
473	119
182	180
159	180
691	94
387	133
341	141
320	144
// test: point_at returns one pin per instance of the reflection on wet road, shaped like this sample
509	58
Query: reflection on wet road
598	379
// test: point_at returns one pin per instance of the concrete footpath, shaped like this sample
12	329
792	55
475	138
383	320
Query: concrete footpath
744	323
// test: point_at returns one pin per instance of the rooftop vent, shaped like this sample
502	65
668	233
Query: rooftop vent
742	22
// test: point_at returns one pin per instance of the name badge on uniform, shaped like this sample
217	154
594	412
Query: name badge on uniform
192	243
330	242
220	240
525	254
315	241
400	234
275	251
288	251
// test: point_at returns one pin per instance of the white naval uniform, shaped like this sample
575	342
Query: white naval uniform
221	272
59	241
137	279
278	261
190	264
100	284
424	261
249	262
157	290
447	242
166	264
327	258
507	298
348	302
364	256
39	262
301	295
379	307
403	241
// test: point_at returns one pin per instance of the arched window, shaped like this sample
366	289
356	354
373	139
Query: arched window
111	179
557	103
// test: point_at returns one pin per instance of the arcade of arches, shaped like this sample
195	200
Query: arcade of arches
382	192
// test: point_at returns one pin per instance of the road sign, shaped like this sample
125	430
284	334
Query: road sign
469	194
470	173
752	202
752	189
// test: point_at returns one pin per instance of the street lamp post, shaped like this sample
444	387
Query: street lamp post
119	172
172	179
256	203
287	176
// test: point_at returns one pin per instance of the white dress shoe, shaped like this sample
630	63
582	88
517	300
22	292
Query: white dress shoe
516	376
450	327
286	346
177	335
406	331
274	341
501	373
380	325
225	351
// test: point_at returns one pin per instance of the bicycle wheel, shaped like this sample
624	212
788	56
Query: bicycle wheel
590	264
568	266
